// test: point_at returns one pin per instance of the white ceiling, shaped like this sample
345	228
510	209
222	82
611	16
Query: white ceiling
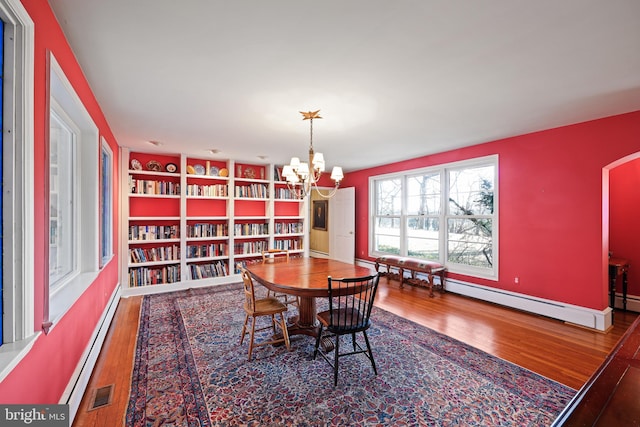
393	79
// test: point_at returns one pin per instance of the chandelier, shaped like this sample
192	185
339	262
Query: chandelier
303	177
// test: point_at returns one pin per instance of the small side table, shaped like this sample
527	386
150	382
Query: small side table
618	267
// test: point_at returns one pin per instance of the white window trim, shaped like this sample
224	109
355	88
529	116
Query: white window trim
63	297
490	274
18	189
71	126
110	255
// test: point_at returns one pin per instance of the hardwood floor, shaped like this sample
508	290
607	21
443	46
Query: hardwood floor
566	353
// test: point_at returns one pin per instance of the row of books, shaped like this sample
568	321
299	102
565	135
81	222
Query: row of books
256	191
216	190
286	194
250	229
154	232
161	253
288	244
205	271
208	230
209	250
288	227
250	247
143	186
144	276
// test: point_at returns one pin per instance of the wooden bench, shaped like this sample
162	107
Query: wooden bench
414	266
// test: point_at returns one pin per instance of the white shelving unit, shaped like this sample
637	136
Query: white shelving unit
214	222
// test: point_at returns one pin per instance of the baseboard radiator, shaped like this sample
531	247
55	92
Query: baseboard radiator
587	317
77	385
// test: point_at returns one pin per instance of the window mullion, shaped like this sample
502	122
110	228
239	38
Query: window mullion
444	214
403	216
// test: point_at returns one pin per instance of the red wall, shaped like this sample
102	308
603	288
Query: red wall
551	204
624	237
550	217
43	374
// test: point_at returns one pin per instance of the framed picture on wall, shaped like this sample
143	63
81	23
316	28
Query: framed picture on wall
320	214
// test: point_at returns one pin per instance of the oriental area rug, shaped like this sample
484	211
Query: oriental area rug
190	370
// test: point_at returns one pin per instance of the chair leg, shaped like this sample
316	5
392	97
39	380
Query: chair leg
253	330
335	362
353	340
373	363
244	328
285	332
315	353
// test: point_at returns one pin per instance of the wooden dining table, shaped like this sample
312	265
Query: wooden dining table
306	278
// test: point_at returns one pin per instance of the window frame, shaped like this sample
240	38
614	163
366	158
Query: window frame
107	172
59	300
73	212
444	170
18	185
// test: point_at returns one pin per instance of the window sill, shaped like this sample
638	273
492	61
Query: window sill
62	299
12	353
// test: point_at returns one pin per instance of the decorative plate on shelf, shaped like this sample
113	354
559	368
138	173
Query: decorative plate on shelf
249	173
154	165
200	170
136	165
191	170
223	172
214	171
171	167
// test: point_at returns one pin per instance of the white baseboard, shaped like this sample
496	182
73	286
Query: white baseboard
633	302
317	254
77	385
587	317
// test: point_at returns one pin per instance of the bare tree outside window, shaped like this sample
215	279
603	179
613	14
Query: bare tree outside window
470	225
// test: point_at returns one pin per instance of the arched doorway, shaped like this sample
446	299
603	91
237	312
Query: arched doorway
621	223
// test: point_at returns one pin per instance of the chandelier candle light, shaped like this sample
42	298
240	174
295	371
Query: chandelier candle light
300	179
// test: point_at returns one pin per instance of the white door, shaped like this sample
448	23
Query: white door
342	225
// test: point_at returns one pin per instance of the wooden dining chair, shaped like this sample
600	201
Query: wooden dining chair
350	304
275	255
258	307
272	256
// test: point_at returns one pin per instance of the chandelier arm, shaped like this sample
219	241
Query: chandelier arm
328	195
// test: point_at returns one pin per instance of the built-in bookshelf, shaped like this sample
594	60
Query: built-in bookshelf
288	217
207	219
194	221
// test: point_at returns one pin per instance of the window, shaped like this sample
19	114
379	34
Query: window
63	216
17	183
470	219
446	214
423	216
106	202
74	193
387	219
